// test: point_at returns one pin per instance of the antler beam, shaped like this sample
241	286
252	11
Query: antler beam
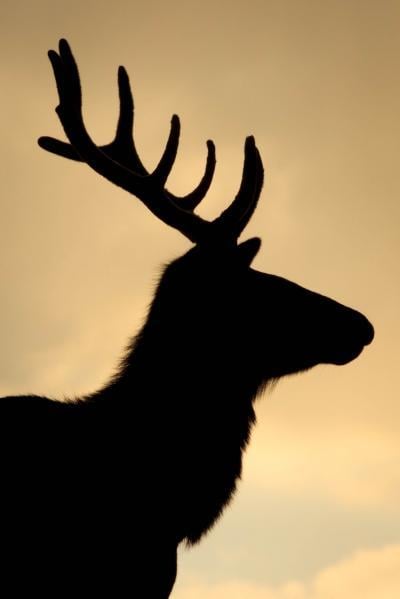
119	161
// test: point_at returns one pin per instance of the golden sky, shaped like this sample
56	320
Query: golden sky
317	515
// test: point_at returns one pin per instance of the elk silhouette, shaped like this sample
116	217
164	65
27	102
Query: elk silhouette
98	492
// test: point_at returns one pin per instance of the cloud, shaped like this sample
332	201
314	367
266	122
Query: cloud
351	468
335	446
368	574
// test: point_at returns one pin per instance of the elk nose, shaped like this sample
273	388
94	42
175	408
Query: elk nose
365	328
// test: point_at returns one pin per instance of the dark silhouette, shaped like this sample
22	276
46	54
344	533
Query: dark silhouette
98	492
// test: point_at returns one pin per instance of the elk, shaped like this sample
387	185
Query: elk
98	492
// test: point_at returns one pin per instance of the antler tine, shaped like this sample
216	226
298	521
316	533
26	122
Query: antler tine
258	181
58	147
236	216
193	199
55	146
122	148
166	162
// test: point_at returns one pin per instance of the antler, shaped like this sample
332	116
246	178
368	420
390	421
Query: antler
119	162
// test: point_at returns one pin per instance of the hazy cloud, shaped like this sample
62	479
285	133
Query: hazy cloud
365	575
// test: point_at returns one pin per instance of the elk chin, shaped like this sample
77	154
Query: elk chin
292	365
346	356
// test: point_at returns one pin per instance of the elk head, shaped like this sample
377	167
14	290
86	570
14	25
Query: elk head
259	321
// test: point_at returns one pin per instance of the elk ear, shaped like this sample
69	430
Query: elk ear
248	250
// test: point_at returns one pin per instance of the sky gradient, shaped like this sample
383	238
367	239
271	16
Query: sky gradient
317	515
